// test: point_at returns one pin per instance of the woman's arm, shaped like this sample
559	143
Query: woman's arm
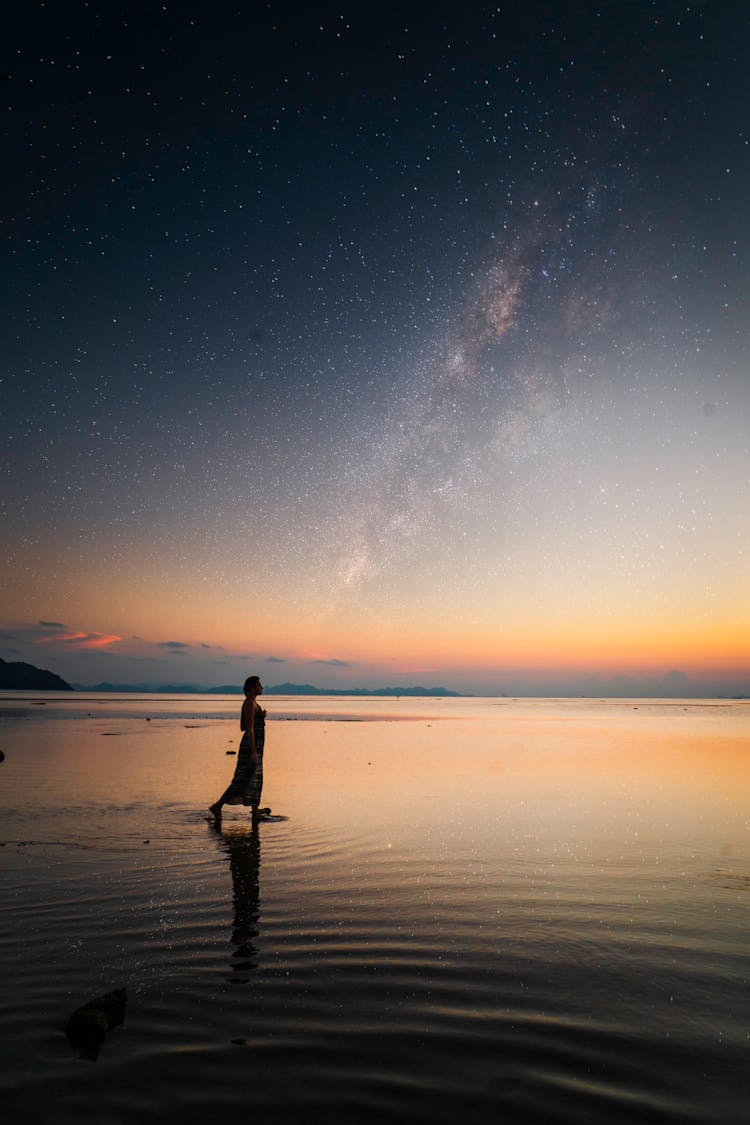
250	727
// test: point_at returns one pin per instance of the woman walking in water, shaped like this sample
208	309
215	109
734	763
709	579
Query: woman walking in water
247	782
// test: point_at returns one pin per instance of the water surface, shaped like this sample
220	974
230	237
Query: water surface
530	910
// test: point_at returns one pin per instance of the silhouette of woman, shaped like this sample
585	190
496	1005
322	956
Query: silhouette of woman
246	785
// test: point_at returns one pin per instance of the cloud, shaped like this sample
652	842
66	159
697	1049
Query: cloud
334	663
76	639
276	660
57	635
174	646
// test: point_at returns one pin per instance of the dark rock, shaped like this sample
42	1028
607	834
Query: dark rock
2	756
17	676
89	1024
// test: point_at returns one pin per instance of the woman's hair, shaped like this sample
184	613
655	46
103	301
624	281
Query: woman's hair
250	683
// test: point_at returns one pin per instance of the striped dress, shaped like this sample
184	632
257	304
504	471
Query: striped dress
247	782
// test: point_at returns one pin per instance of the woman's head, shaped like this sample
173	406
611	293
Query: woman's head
252	685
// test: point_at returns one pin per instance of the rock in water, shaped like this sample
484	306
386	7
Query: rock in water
89	1024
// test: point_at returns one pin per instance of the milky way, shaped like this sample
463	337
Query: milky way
535	328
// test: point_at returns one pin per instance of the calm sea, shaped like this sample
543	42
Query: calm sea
472	910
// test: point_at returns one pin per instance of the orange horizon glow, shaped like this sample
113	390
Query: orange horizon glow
627	648
440	641
693	653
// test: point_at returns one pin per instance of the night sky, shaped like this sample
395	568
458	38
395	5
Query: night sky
360	347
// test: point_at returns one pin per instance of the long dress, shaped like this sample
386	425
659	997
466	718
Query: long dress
245	786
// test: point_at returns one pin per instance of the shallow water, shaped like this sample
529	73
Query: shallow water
531	911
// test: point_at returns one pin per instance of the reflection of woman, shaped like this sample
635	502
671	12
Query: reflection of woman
247	782
243	845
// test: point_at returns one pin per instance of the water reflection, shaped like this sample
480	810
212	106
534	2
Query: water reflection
242	845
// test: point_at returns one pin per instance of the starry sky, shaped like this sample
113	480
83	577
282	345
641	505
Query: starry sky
364	347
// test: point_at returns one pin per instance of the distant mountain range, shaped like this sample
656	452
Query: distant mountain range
308	689
17	676
277	689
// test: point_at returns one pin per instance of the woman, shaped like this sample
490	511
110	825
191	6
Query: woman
247	782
